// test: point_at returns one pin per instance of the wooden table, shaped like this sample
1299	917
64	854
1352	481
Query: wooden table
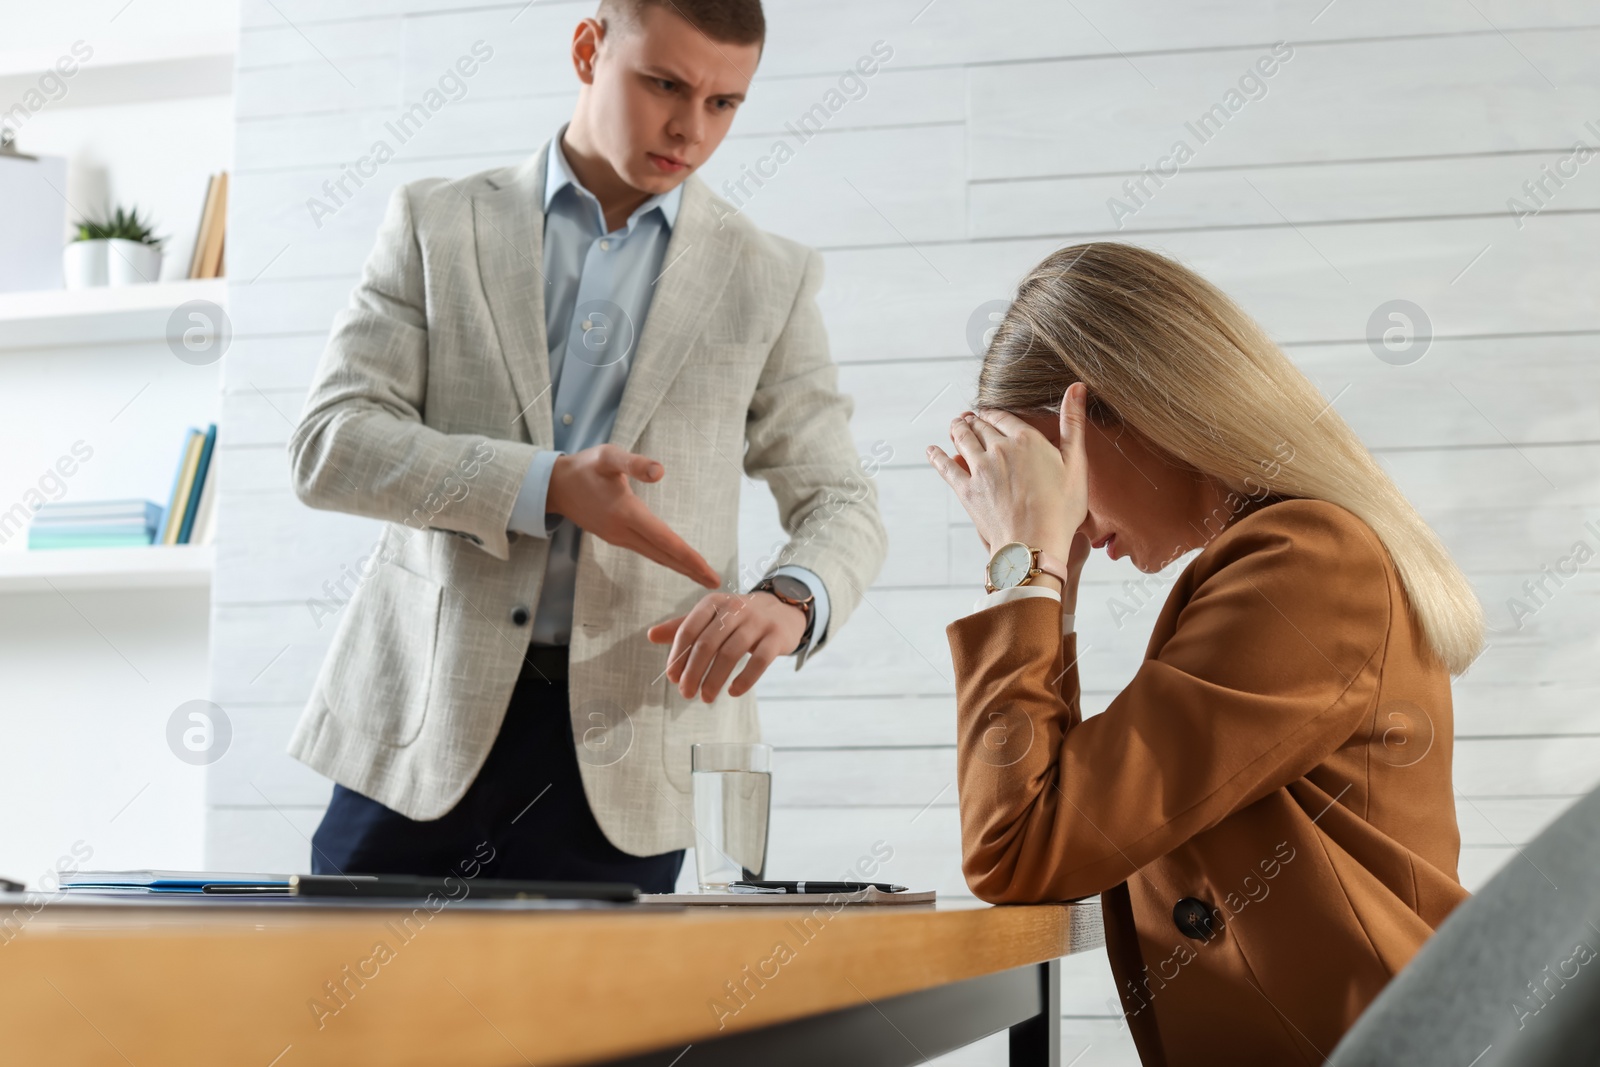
287	985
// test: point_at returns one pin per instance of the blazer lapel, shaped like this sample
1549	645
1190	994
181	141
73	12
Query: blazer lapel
508	228
694	271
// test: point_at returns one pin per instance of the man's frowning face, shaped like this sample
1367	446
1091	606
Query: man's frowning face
661	94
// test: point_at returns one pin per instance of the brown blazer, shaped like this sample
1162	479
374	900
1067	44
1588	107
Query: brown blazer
1266	809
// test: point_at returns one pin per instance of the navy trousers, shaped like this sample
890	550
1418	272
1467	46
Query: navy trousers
525	815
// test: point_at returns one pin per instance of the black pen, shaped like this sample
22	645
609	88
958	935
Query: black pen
815	887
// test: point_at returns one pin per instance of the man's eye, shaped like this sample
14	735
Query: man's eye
666	84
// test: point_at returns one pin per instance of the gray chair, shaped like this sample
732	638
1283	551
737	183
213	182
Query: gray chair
1512	977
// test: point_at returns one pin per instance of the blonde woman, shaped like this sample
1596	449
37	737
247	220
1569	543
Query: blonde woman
1266	809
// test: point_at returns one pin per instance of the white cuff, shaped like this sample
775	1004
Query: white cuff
1022	592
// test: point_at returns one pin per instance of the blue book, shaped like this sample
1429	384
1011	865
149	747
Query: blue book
192	506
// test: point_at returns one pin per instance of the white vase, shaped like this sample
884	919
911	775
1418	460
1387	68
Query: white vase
83	264
132	262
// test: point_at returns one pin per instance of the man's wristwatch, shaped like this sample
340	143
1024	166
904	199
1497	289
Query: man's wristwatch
795	593
1014	564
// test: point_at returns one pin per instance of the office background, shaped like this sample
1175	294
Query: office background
1422	153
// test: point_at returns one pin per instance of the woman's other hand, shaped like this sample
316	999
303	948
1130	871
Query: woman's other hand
1018	486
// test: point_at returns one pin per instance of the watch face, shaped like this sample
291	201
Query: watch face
1010	565
791	589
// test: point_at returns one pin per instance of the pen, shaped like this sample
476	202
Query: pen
815	887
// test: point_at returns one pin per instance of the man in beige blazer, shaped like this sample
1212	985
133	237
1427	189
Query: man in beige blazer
549	384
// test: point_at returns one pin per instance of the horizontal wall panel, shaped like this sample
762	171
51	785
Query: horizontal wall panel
313	229
1526	708
1479	863
923	845
272	363
257	771
279	43
1456	393
253	469
1200	197
256	418
1317	285
1319	102
965	30
265	654
315	85
270	307
275	840
849	186
465	127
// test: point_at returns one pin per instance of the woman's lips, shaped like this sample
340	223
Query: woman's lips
667	164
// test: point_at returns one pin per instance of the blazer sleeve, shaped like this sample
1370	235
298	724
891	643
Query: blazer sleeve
798	432
361	445
1271	666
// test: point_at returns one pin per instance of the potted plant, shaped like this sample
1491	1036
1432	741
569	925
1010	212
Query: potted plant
83	261
120	250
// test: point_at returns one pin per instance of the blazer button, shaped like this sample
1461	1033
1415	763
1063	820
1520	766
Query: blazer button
1193	918
519	616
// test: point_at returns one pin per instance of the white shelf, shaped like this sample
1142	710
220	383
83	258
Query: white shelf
140	567
53	318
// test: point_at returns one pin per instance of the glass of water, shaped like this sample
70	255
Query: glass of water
732	803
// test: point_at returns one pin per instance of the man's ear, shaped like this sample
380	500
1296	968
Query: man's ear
586	40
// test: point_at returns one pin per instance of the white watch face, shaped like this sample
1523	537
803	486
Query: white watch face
1010	565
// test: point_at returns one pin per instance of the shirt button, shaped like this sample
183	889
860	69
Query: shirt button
566	420
605	246
1193	917
519	616
588	324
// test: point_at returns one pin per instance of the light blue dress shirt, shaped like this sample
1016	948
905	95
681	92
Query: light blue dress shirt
599	286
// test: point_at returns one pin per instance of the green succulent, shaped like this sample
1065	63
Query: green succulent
126	225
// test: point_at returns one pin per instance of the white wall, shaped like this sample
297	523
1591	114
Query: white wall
1376	166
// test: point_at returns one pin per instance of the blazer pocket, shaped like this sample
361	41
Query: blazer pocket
380	669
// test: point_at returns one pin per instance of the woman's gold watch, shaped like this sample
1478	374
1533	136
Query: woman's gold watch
1014	564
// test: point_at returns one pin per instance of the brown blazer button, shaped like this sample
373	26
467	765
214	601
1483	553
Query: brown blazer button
1193	918
519	616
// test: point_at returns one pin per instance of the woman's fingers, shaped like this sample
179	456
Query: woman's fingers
1008	424
965	439
988	432
1074	423
953	471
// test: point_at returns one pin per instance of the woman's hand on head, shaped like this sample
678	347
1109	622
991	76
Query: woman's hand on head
1014	483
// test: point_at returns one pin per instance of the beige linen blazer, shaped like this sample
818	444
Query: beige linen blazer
427	408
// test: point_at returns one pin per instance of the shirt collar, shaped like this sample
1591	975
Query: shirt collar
558	173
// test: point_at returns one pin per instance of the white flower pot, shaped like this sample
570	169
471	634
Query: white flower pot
132	262
83	264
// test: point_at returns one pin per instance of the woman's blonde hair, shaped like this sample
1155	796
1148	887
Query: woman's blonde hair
1166	353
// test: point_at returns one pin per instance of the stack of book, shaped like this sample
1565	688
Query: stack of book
191	511
206	261
94	524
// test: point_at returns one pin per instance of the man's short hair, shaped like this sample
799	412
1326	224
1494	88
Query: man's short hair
733	21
